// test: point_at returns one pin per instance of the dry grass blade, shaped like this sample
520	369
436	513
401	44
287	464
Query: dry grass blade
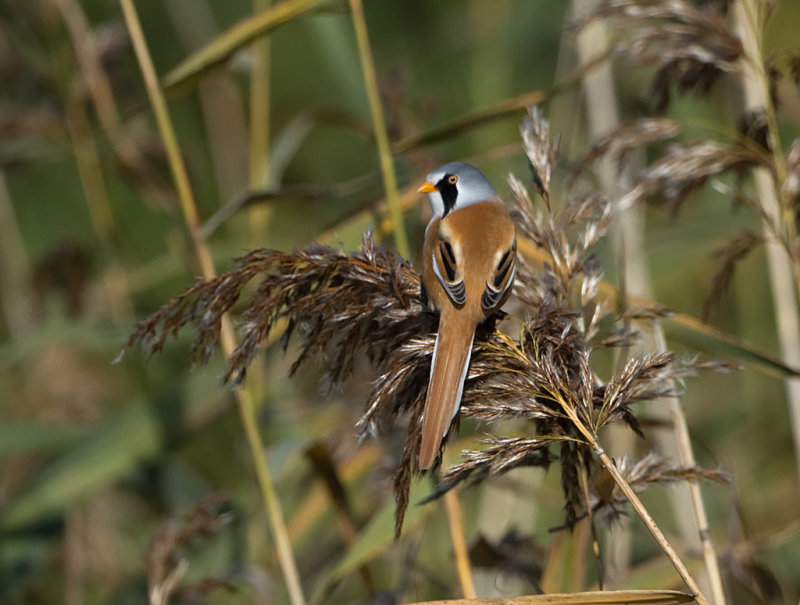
238	36
468	122
603	597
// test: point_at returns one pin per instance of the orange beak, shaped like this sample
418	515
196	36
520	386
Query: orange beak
427	187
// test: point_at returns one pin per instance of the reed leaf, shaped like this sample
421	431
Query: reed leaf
234	38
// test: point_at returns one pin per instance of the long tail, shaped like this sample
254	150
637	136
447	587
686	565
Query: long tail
451	356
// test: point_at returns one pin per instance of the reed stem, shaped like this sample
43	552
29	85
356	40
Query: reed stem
189	208
260	126
379	126
454	520
603	115
783	269
631	496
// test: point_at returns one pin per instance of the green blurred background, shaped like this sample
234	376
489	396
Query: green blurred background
95	457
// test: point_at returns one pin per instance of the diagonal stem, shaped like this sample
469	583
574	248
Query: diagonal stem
640	509
637	505
189	208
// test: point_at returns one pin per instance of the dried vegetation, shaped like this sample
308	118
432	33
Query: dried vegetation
368	303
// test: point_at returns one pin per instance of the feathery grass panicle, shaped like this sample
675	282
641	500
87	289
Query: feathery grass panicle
689	46
331	298
685	167
607	501
542	152
725	259
534	381
620	141
164	559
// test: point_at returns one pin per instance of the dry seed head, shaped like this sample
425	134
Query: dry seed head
689	46
685	167
619	142
725	259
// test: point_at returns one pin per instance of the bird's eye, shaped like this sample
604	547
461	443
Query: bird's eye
452	179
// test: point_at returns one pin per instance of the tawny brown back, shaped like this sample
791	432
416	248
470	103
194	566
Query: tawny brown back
478	236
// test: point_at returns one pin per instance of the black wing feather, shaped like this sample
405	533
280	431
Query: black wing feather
501	281
448	274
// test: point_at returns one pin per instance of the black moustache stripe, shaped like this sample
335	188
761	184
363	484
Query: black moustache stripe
449	192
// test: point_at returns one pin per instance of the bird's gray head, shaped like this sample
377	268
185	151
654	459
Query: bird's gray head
456	185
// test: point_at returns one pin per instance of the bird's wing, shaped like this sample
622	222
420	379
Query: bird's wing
447	268
499	283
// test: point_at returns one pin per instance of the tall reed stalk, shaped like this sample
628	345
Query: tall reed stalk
603	115
379	127
189	208
782	261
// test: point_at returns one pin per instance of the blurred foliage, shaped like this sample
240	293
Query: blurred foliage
113	477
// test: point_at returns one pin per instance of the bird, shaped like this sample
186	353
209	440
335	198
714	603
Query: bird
469	264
